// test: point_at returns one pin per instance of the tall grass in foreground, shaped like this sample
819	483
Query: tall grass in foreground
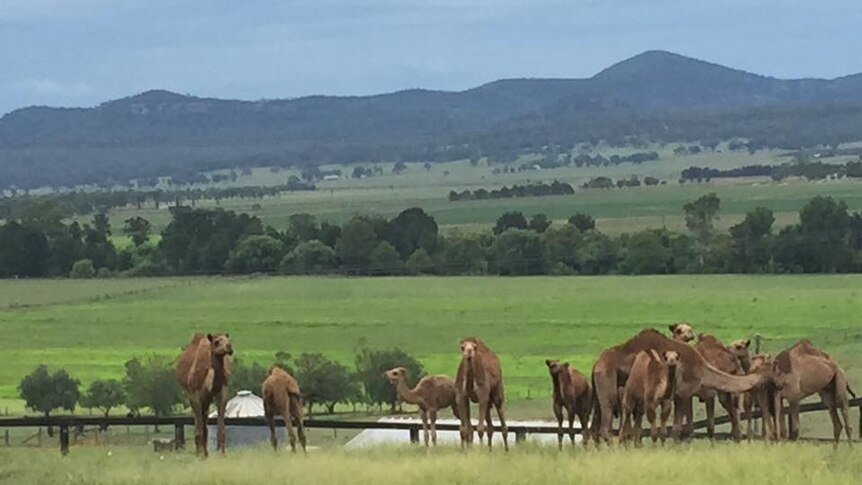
697	463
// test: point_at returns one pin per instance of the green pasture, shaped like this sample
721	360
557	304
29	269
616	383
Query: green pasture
526	320
786	464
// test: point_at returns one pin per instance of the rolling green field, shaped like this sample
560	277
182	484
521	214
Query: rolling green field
786	464
526	320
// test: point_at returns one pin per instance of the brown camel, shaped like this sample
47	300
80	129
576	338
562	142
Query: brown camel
281	396
682	332
480	379
203	370
572	393
431	394
723	359
803	370
650	385
614	365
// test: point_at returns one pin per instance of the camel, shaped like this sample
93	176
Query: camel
480	379
431	394
682	332
723	359
614	365
650	385
803	370
572	393
203	370
281	396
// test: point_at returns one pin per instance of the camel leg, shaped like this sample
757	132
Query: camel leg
296	417
196	406
625	426
607	418
639	416
730	404
710	417
558	413
273	439
747	407
287	414
781	425
501	413
845	413
794	420
424	416
584	418
221	434
653	428
688	414
678	411
205	406
485	420
432	418
466	427
665	414
571	412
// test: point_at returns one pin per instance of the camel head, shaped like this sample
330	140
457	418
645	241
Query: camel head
555	366
740	348
682	332
469	347
670	357
220	344
396	374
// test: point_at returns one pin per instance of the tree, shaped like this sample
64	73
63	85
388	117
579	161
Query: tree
82	269
420	262
410	230
255	254
24	250
750	241
700	216
323	381
825	227
539	223
44	392
138	229
399	167
311	257
246	377
647	252
104	395
358	240
151	383
518	252
510	220
385	260
583	222
372	363
464	255
303	227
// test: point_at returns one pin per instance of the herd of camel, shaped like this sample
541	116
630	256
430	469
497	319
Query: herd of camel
650	374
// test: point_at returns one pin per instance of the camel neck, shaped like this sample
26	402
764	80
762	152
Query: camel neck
406	394
563	384
745	363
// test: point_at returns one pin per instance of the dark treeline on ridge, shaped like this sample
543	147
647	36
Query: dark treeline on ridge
809	170
828	238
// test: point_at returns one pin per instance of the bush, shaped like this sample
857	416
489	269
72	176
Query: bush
82	269
385	260
420	263
255	254
311	257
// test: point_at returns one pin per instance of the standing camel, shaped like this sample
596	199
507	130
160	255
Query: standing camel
723	359
281	395
480	379
203	371
650	385
572	393
803	370
760	396
614	365
431	394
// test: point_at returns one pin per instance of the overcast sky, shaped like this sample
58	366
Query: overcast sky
83	52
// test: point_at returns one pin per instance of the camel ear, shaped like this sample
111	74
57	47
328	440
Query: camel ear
227	335
672	327
210	337
548	362
566	365
747	343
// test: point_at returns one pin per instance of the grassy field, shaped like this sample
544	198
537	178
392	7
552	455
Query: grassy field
697	463
526	320
617	210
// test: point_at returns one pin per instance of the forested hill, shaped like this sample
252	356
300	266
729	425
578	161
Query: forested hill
656	94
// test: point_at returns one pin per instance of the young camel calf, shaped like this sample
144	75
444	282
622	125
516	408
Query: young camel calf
281	395
571	392
650	385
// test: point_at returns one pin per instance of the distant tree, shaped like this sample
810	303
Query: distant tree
647	252
246	377
464	255
751	249
358	240
420	262
329	233
323	381
539	223
151	383
82	269
824	225
255	254
104	395
410	230
427	166
510	220
700	216
582	222
518	252
24	250
372	363
399	167
310	257
44	392
138	229
385	260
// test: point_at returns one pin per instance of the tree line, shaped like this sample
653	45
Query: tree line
530	190
149	383
809	170
828	238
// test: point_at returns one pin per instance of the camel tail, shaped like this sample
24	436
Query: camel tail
596	411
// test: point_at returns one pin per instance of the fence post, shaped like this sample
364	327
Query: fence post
860	422
6	437
414	434
64	439
520	436
179	437
757	339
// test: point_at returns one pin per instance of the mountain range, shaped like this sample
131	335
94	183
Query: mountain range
656	95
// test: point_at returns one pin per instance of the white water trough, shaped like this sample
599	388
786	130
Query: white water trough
377	437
